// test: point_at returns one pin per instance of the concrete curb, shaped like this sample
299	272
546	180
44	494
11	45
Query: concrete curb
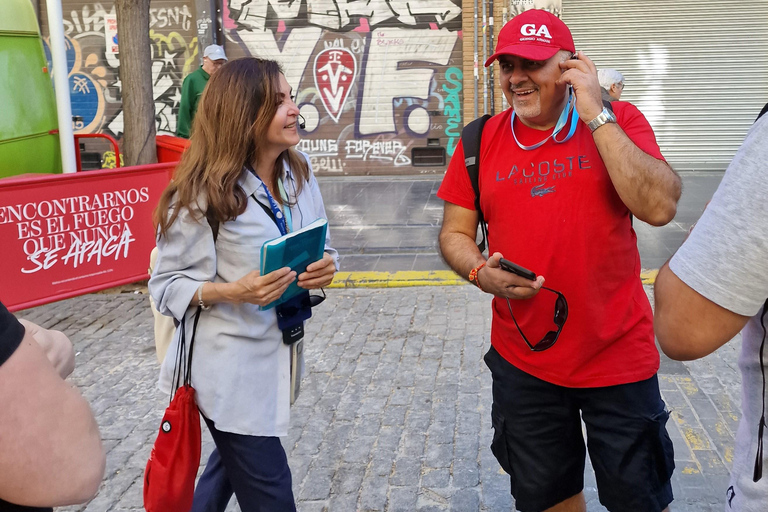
399	279
408	278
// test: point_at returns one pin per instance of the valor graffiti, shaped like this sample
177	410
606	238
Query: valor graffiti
335	70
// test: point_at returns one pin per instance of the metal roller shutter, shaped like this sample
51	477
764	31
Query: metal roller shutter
698	70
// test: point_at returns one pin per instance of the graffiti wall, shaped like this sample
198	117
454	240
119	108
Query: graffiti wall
374	79
93	69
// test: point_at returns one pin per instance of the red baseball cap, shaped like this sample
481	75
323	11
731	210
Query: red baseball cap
535	34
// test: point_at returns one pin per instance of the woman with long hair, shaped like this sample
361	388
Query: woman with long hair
212	221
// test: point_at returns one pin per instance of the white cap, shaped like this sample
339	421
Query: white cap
215	52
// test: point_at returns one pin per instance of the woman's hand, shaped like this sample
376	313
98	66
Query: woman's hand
318	274
261	290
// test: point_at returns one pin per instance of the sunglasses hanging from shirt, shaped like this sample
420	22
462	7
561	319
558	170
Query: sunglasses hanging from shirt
568	112
561	315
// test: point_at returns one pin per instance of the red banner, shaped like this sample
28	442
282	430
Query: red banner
66	235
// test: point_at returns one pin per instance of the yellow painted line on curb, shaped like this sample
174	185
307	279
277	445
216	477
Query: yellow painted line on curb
407	278
649	276
399	279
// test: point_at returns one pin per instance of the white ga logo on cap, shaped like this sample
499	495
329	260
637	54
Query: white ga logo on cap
529	29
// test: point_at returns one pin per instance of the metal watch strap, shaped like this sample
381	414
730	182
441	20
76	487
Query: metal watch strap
604	117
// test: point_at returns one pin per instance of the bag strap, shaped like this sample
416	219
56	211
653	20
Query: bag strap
266	209
214	225
182	371
184	359
471	136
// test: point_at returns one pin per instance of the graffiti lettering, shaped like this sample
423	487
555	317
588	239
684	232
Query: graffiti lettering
338	14
90	19
329	165
319	147
452	109
387	80
388	151
175	17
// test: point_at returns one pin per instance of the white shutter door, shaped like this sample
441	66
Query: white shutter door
698	70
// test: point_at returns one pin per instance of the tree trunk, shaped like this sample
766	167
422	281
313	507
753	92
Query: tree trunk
136	82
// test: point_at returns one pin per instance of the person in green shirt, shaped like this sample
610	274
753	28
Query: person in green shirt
193	86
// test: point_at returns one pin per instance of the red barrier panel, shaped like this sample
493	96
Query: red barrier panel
69	234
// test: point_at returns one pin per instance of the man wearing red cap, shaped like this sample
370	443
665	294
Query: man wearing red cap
560	177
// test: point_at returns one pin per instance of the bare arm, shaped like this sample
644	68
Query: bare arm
687	324
253	288
457	244
647	186
50	448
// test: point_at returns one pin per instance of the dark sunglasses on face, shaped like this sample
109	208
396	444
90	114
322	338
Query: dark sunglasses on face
309	301
561	315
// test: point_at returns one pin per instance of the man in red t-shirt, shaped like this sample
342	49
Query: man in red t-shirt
560	177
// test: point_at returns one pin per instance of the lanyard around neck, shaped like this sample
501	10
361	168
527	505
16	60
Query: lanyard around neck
568	111
284	222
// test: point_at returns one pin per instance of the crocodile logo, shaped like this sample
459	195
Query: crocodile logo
542	190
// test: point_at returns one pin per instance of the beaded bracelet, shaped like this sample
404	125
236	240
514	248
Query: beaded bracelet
473	275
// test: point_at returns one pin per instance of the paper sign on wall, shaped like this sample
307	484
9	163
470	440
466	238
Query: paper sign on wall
110	33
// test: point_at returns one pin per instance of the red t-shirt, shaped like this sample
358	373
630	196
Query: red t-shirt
555	211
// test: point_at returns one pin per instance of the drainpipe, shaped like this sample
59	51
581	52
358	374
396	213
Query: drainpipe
485	56
208	14
476	69
504	20
491	87
61	86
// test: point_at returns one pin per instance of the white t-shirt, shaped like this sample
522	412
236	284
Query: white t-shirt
726	260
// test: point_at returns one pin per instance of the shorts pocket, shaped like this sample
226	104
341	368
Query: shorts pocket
499	446
662	454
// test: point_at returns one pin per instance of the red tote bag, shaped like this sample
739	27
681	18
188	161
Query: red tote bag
169	478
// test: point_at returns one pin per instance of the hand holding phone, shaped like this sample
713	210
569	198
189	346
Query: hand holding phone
517	269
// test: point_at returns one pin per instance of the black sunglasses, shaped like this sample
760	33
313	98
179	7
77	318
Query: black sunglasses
561	315
308	301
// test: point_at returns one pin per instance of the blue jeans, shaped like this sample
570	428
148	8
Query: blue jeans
253	468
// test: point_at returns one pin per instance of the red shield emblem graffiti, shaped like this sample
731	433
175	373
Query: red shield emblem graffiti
335	70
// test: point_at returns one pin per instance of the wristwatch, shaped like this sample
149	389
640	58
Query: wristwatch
606	116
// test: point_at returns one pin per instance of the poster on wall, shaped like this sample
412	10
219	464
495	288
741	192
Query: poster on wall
65	235
518	6
110	34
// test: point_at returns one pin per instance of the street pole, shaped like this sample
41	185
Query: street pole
61	86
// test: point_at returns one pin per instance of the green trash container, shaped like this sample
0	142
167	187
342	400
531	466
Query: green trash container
28	112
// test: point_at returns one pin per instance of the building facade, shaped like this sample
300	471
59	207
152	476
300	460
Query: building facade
385	86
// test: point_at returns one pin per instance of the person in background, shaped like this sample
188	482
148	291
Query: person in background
558	185
716	285
193	86
50	448
611	84
241	173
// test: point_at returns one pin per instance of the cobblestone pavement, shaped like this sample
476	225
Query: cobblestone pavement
394	412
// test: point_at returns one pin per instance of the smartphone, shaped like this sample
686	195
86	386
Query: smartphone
517	269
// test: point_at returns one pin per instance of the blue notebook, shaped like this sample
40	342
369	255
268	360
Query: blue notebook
296	250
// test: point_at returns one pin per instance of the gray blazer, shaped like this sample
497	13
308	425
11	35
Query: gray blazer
241	367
